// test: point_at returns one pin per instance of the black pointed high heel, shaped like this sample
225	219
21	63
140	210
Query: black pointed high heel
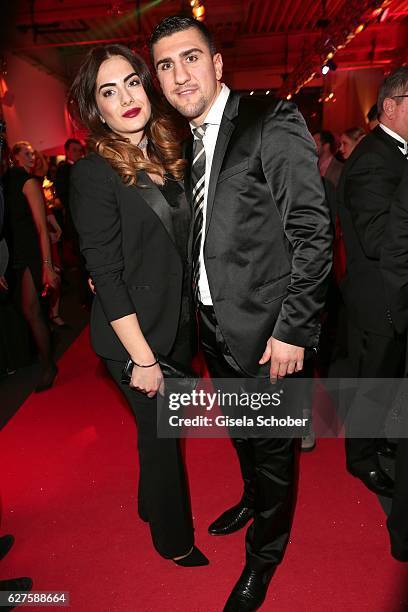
47	381
194	559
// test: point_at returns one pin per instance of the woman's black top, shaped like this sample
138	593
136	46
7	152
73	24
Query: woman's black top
181	218
20	230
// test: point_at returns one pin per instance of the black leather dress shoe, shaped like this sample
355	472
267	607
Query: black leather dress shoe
6	542
15	584
231	520
377	481
387	449
250	591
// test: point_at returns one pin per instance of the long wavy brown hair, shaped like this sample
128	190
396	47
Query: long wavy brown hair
164	145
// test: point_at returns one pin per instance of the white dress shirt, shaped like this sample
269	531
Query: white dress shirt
404	145
213	119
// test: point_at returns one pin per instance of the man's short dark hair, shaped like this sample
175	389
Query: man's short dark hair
71	141
326	137
372	114
395	84
178	23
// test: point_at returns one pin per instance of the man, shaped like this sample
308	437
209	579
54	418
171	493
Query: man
260	255
394	267
367	188
74	151
330	167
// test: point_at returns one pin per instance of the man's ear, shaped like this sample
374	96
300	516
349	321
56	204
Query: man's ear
217	62
389	107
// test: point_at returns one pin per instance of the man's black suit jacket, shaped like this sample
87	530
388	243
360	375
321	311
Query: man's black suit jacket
366	190
394	256
126	236
267	246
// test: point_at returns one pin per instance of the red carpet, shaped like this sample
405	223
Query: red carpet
69	473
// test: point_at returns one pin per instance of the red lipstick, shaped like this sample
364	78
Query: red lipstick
132	112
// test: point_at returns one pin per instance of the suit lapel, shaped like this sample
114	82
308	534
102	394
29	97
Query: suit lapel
226	128
157	202
393	143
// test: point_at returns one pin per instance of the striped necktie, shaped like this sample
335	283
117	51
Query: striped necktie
198	185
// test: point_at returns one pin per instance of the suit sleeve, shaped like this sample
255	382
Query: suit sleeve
368	192
394	256
289	162
97	220
62	183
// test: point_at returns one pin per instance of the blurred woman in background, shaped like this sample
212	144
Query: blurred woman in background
30	252
40	171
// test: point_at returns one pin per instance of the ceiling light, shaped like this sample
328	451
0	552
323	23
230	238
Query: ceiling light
329	65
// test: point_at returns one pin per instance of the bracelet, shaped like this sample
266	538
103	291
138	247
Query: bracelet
147	366
47	262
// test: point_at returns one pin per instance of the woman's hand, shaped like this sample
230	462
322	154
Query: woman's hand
50	277
3	284
91	285
147	380
55	230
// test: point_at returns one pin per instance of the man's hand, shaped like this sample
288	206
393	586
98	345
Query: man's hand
285	358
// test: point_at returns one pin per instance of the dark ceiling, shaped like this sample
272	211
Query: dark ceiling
262	38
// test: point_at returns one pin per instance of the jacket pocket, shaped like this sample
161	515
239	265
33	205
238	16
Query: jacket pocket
233	170
139	288
273	290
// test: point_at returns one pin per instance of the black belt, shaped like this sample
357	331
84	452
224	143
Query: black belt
205	307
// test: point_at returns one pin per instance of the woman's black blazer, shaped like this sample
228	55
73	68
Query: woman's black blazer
126	237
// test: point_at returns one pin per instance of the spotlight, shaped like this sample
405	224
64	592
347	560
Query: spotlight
198	9
329	65
199	13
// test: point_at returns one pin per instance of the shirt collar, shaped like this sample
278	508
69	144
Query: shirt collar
404	147
215	113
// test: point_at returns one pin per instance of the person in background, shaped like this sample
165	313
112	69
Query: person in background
377	344
372	117
330	167
74	151
394	269
349	140
72	258
30	253
40	171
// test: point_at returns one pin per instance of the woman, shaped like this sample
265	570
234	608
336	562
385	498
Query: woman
349	140
132	220
40	172
30	252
